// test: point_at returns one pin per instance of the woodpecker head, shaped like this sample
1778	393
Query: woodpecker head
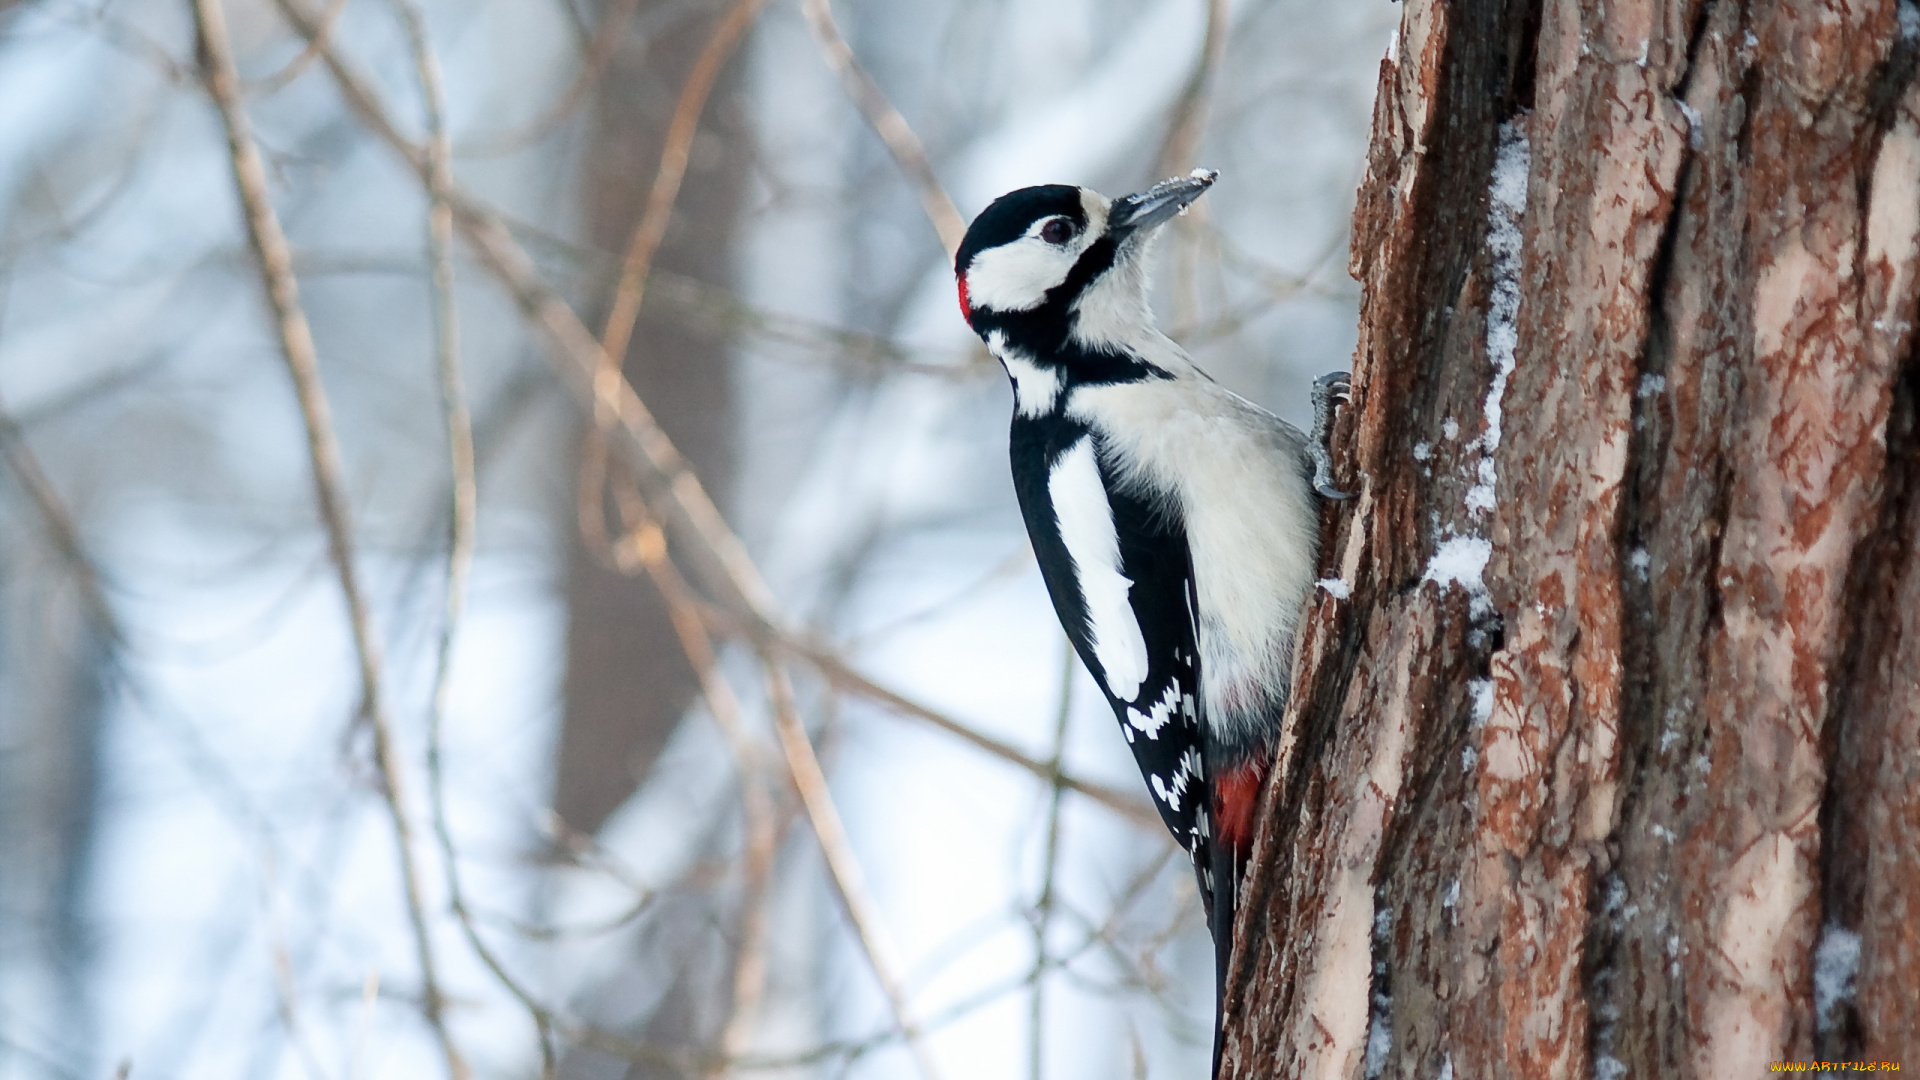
1046	264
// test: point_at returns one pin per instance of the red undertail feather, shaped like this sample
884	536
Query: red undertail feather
1236	794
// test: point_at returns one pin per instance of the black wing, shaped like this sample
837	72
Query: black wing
1160	717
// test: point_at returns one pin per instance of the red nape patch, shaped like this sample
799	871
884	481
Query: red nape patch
1236	793
966	306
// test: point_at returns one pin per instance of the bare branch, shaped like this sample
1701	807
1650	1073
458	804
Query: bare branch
65	533
463	507
1043	906
600	50
672	170
808	778
645	547
1190	111
842	676
298	66
296	343
886	121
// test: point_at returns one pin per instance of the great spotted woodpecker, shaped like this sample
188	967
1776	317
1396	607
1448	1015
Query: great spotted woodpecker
1173	520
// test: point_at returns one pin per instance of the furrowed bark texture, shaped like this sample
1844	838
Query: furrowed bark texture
1614	743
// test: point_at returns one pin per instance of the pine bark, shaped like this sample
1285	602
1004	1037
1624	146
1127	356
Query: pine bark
1606	815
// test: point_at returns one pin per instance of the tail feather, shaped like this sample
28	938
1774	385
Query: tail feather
1229	845
1222	905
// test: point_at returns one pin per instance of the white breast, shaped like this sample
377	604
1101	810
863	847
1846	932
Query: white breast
1233	470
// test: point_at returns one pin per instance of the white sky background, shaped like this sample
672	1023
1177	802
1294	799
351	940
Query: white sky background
234	837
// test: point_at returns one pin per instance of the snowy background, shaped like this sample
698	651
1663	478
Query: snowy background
198	872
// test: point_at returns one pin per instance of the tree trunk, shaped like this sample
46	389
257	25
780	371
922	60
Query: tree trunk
1607	766
627	681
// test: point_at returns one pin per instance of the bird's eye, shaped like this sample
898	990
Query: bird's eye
1057	231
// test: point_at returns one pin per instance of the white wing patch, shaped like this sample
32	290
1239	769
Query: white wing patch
1086	528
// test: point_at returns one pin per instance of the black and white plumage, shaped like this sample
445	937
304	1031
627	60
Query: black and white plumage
1174	521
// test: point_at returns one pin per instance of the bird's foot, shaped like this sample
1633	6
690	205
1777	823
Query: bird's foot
1328	391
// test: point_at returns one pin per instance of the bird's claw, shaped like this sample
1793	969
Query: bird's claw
1328	390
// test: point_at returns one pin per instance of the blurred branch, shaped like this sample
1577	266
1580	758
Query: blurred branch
843	677
645	546
462	505
886	121
600	50
1190	111
666	179
60	524
296	343
296	67
616	334
808	778
1043	906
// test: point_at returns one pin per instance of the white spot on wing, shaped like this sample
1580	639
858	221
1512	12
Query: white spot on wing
1171	794
1151	721
1086	527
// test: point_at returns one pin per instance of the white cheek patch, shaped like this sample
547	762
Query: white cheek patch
1016	276
1086	528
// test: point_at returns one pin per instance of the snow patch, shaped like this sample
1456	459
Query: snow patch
1652	385
1461	561
1695	139
1335	587
1608	1067
1507	205
1380	1018
1422	451
1836	960
1482	691
1909	19
1379	1037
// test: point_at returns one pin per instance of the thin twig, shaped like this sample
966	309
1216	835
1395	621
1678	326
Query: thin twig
1190	111
600	49
463	502
296	67
803	767
842	676
646	547
1043	907
886	121
60	524
674	153
1177	153
272	252
645	243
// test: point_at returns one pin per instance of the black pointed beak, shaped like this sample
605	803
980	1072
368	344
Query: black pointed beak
1143	211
